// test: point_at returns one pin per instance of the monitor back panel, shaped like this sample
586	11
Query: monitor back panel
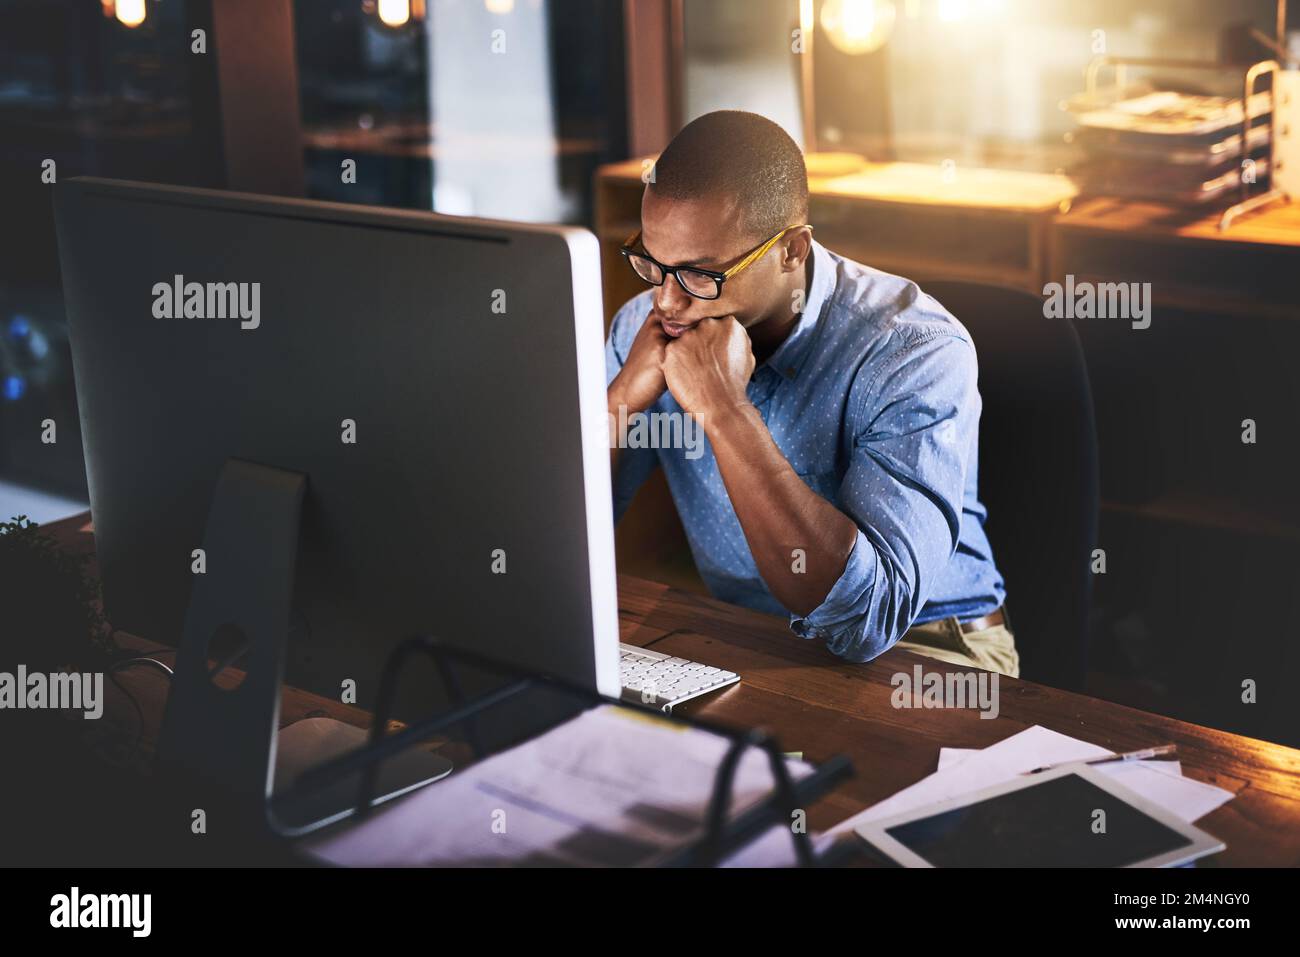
458	510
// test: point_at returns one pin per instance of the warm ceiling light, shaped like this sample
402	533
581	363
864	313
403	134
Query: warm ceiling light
129	13
394	13
499	6
858	26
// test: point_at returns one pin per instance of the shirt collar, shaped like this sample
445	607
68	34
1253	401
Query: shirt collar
790	355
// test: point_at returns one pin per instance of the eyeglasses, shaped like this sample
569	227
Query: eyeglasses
697	282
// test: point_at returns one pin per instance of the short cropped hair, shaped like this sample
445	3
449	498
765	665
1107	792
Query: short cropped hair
741	154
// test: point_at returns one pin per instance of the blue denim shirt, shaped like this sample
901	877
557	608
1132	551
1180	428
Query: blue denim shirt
872	399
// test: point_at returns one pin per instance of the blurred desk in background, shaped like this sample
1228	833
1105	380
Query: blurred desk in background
913	219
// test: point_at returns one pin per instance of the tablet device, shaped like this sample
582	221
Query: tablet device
1070	816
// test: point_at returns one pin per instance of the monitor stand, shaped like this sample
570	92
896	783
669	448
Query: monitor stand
227	738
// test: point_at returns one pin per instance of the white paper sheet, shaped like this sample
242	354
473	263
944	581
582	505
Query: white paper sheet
1032	748
963	770
1188	799
950	756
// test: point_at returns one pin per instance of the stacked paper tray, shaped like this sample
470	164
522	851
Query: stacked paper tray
1170	146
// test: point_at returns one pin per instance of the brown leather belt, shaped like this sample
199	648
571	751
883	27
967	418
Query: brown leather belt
991	620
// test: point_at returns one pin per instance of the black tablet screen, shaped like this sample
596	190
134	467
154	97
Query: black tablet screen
1053	824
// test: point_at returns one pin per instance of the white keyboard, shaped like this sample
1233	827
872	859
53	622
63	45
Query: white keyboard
661	680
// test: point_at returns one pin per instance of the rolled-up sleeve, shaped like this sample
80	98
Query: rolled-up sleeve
912	424
634	465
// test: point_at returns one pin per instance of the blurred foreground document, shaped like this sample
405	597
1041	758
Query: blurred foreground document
612	787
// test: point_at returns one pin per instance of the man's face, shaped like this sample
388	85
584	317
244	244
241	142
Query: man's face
707	233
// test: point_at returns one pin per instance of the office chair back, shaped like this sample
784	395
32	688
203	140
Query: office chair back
1037	471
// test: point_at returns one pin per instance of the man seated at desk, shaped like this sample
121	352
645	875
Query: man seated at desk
837	485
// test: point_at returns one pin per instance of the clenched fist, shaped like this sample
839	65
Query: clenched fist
707	367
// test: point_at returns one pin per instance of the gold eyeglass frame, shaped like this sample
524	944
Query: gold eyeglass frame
718	278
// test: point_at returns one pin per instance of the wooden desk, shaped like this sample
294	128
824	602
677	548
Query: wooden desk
1245	272
821	706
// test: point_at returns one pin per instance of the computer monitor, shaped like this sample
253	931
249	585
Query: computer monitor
438	380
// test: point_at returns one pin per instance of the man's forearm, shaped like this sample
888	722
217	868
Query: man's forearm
799	541
611	408
613	401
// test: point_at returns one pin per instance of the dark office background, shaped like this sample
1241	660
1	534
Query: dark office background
1201	533
103	99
